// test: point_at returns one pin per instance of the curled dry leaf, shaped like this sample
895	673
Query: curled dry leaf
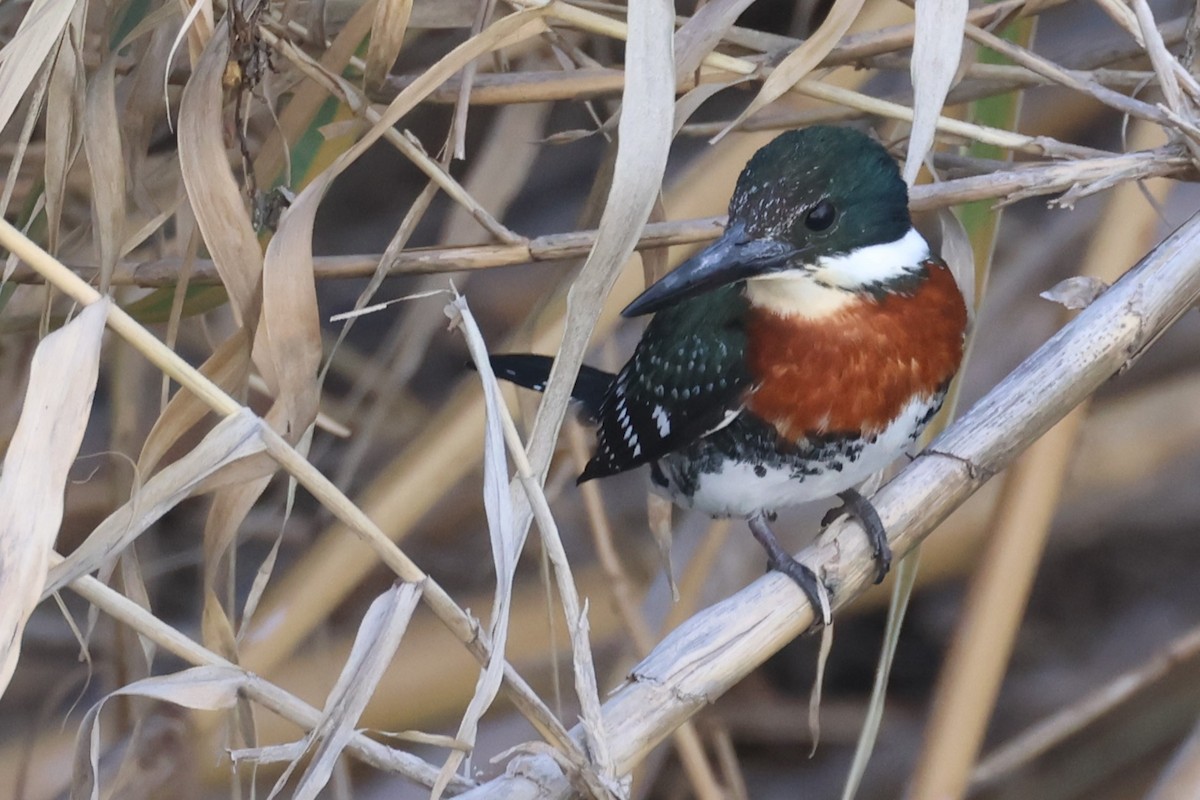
58	403
215	197
228	367
937	47
1076	292
210	688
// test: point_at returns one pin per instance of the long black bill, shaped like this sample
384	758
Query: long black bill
731	258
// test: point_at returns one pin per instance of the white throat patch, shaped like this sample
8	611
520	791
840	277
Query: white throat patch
828	286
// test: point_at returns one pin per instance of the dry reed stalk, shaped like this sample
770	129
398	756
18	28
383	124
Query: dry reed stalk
685	739
716	648
978	656
1079	178
1179	656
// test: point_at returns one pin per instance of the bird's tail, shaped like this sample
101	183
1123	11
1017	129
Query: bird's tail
532	372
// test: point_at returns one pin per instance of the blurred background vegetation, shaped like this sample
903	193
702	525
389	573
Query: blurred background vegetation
1099	694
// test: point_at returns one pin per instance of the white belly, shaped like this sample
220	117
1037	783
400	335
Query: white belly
743	488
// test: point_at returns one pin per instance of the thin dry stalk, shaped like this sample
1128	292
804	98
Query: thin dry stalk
1079	178
971	675
686	739
1029	745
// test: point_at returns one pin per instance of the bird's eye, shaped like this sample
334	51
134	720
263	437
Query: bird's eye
821	217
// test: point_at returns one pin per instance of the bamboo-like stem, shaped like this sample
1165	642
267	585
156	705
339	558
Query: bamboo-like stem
716	648
1082	177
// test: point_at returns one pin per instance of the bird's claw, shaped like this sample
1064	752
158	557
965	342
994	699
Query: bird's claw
780	560
860	508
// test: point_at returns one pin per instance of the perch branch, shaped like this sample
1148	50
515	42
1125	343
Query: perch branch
715	649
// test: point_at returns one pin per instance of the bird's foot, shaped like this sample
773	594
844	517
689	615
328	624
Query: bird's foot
859	507
781	560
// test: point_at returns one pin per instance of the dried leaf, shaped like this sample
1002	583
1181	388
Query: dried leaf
64	110
902	587
379	635
937	47
228	367
506	539
387	36
213	688
803	59
697	37
25	53
58	402
106	164
959	256
644	139
1076	292
215	197
287	344
234	438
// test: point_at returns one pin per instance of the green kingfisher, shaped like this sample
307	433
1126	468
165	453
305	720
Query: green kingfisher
795	357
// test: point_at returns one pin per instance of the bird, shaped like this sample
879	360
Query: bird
796	356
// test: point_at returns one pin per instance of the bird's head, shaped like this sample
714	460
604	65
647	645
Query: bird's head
823	204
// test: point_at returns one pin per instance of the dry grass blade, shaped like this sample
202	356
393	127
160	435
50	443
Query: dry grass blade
506	539
805	58
215	197
25	53
379	635
644	139
387	37
234	438
106	163
937	47
903	581
58	403
64	111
